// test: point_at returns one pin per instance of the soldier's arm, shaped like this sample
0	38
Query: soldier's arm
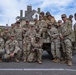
17	49
56	34
68	30
7	47
2	45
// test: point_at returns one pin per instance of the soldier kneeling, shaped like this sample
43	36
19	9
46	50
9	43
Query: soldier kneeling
36	52
12	50
2	51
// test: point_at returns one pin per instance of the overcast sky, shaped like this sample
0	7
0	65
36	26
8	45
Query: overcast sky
9	9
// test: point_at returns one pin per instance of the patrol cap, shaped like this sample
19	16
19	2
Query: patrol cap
32	25
12	35
50	24
47	13
63	15
37	35
18	22
59	21
71	16
75	14
42	12
6	28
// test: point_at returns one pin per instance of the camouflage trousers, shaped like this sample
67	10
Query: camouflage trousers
68	49
20	44
36	55
17	55
26	51
2	52
55	49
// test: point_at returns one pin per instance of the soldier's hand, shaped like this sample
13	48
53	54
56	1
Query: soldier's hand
12	54
62	38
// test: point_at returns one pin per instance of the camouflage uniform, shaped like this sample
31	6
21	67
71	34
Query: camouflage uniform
12	47
28	37
5	35
36	49
75	33
26	47
12	29
18	36
55	43
25	28
51	19
2	51
66	34
70	20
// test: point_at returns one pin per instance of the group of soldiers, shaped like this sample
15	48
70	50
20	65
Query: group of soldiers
24	42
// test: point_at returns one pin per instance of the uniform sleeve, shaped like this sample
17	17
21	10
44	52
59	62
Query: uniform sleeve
68	30
17	49
2	45
7	47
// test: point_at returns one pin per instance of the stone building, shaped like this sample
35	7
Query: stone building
29	14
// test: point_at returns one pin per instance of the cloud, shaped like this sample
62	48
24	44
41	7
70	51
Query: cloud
9	9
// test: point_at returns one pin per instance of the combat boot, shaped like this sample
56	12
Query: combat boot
57	60
39	62
16	60
69	62
24	60
0	60
54	60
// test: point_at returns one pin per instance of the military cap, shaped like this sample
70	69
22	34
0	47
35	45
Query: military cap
42	12
32	25
71	16
6	28
63	15
50	24
12	35
59	21
17	22
37	35
47	12
75	14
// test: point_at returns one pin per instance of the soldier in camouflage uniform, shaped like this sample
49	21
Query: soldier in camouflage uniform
70	20
25	27
28	37
12	49
50	19
66	37
75	30
26	47
55	43
43	15
18	35
2	51
36	49
12	29
5	35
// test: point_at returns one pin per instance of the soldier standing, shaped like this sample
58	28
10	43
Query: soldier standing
55	43
12	49
2	51
75	30
12	29
18	35
70	20
50	19
28	37
25	27
66	37
5	35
